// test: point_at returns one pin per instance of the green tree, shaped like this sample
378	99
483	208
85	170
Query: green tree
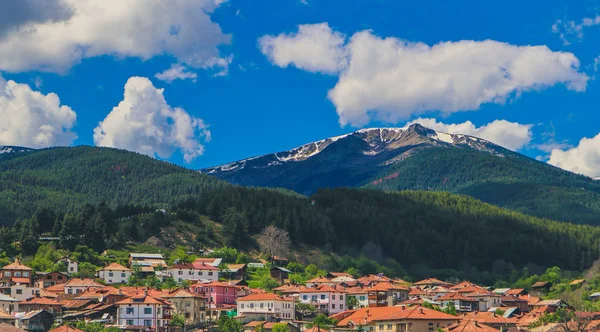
268	283
450	308
178	319
322	322
351	302
228	324
281	327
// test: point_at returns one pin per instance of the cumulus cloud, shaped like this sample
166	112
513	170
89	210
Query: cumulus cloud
511	135
569	30
145	123
583	159
176	72
137	28
315	48
391	79
32	119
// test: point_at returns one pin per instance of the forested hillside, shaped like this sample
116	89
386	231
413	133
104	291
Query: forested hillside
521	184
62	179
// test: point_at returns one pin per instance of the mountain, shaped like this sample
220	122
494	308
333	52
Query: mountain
65	178
11	149
419	158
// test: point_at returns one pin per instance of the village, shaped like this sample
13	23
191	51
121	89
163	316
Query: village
207	292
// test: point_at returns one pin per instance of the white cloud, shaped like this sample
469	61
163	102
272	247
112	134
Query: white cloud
510	135
176	72
136	28
315	48
583	159
144	122
32	119
391	79
568	29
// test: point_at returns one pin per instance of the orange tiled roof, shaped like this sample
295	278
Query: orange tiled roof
180	293
262	297
365	316
145	299
430	281
323	289
16	265
318	280
115	267
416	291
455	296
386	286
470	326
489	318
19	280
577	282
515	291
39	300
82	282
341	274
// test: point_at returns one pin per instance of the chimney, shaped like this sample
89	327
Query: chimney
421	310
476	324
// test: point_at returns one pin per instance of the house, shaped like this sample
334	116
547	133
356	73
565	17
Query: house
143	310
266	306
577	282
234	271
16	273
105	295
47	279
517	292
216	292
552	305
79	285
114	273
35	321
486	299
513	301
540	288
361	295
327	299
20	291
143	259
280	274
461	302
280	261
395	319
318	281
8	304
373	279
193	272
41	303
191	305
72	266
385	294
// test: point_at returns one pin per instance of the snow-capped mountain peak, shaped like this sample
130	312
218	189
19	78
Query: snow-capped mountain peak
12	149
378	141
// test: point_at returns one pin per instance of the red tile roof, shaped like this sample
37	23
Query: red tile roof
261	297
489	318
83	282
115	267
430	281
470	326
16	265
365	316
515	291
21	280
145	299
39	300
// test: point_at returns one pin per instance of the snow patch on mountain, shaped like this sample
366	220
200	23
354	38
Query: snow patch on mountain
12	149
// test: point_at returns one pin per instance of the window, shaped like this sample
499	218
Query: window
380	327
261	305
251	305
69	291
59	277
48	277
305	297
110	274
333	306
389	327
123	275
130	311
333	297
313	298
322	296
180	272
226	290
341	306
17	274
71	269
7	274
110	281
147	322
25	274
226	300
212	290
341	297
200	273
187	315
147	311
129	322
362	298
242	306
19	291
210	274
190	272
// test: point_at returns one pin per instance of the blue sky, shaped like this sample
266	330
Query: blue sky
254	102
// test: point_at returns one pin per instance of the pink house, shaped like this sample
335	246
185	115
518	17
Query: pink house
216	292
